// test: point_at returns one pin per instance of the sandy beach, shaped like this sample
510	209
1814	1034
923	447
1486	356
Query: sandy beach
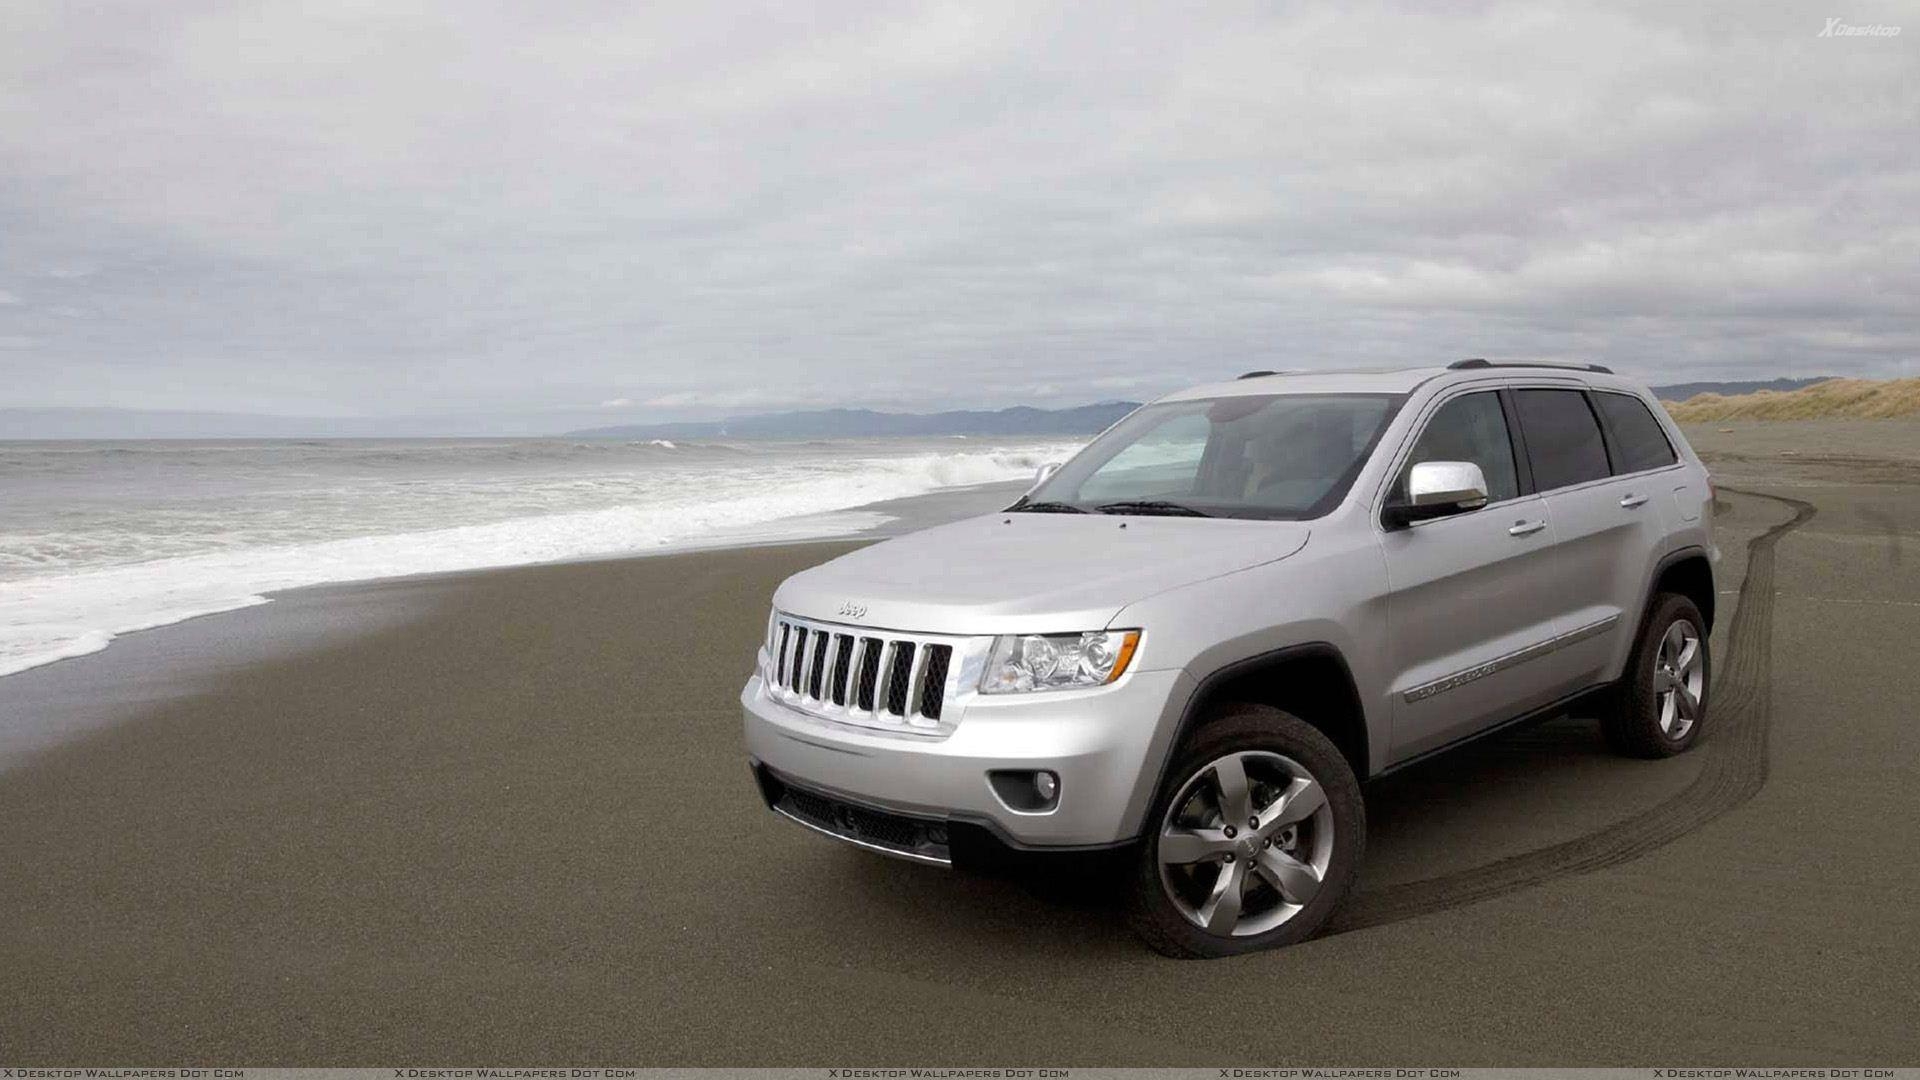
503	817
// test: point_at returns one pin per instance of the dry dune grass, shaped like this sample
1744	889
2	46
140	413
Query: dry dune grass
1852	399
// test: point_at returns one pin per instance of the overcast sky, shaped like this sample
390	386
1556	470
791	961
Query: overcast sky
632	209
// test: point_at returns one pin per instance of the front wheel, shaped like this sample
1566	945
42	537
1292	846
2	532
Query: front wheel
1254	839
1660	705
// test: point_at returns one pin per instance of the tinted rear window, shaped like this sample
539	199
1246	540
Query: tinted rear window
1639	442
1563	438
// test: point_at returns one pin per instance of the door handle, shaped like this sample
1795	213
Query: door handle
1526	528
1631	501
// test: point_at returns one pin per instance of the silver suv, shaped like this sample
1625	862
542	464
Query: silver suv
1190	643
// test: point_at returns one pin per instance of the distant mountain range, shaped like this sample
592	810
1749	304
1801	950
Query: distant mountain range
1683	391
1022	420
858	423
1832	399
82	423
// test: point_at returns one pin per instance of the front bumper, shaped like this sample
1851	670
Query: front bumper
1105	745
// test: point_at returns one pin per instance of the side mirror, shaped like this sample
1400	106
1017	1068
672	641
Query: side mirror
1044	472
1439	489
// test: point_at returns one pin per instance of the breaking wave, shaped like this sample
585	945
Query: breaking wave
292	515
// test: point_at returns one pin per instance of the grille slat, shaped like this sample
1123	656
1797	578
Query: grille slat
885	685
817	668
933	684
808	644
900	680
802	651
869	681
842	666
917	671
879	680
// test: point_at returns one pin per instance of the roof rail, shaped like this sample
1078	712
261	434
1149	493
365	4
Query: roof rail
1257	375
1474	363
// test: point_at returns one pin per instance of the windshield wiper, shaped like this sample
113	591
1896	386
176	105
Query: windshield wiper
1045	507
1151	506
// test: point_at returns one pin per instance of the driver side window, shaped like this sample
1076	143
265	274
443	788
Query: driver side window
1471	427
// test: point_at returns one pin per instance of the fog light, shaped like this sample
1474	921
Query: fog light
1025	791
1046	785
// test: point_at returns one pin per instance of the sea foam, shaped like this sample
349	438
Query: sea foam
73	601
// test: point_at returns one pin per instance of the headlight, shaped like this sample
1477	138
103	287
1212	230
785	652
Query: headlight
1024	662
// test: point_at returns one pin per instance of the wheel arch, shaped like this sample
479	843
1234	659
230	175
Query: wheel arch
1689	573
1311	680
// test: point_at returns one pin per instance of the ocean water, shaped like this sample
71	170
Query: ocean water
104	538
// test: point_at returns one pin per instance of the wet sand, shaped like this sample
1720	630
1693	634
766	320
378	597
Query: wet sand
503	818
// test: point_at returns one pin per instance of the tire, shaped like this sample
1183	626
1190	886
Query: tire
1660	704
1285	761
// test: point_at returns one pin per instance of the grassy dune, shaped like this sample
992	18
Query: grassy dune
1852	399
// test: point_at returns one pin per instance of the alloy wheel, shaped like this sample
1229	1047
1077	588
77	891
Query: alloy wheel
1679	679
1245	843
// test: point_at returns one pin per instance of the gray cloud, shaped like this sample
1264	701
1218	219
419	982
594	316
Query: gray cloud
378	208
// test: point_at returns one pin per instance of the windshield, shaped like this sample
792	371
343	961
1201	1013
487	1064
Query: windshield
1281	456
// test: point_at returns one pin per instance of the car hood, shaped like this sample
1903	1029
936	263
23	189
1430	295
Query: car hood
1029	573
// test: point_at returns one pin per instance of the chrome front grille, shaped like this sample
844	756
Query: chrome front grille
860	676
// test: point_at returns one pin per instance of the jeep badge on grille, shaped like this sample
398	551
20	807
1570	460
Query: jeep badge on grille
852	610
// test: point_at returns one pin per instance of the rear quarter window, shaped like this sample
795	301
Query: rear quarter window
1639	442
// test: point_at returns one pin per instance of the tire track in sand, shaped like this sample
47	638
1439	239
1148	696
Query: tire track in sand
1734	771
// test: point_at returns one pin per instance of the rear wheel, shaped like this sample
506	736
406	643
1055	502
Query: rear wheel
1254	840
1661	703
